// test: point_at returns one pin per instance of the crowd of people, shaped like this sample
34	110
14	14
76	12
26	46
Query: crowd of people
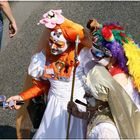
96	68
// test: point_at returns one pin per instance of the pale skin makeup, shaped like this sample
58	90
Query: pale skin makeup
57	42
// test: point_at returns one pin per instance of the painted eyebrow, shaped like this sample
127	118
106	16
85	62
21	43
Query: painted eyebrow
57	42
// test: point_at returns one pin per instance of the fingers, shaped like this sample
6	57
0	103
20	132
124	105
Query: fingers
69	110
13	106
70	106
12	33
12	30
73	109
12	102
14	98
9	99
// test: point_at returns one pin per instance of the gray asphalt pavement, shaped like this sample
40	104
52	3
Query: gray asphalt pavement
15	56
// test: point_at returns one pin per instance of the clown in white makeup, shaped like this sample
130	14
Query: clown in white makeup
51	70
57	42
100	56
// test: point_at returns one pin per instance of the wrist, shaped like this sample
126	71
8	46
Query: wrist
12	21
85	115
20	98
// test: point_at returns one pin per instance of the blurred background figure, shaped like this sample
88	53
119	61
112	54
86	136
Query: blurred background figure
6	10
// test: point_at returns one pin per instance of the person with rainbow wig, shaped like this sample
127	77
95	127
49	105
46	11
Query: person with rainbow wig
51	69
113	84
122	50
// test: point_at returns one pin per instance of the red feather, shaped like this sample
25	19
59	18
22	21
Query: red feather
116	27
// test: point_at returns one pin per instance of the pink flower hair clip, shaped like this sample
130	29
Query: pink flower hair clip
51	18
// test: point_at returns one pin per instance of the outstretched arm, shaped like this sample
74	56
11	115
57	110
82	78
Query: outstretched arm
4	5
37	89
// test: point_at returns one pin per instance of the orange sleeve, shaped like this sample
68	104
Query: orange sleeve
38	88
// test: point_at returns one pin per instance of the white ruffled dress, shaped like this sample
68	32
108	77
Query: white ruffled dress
55	119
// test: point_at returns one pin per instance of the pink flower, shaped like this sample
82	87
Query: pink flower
51	18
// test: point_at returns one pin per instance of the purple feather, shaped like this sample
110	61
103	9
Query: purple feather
118	53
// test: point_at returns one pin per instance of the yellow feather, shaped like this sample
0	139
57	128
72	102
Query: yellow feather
132	52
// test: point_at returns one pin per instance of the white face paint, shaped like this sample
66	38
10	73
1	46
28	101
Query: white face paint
57	42
99	57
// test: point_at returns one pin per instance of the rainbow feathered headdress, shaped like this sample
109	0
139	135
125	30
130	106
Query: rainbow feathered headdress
127	53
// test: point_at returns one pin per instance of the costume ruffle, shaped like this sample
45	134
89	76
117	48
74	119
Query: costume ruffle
36	67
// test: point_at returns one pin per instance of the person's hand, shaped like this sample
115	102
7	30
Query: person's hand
12	29
14	99
73	109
